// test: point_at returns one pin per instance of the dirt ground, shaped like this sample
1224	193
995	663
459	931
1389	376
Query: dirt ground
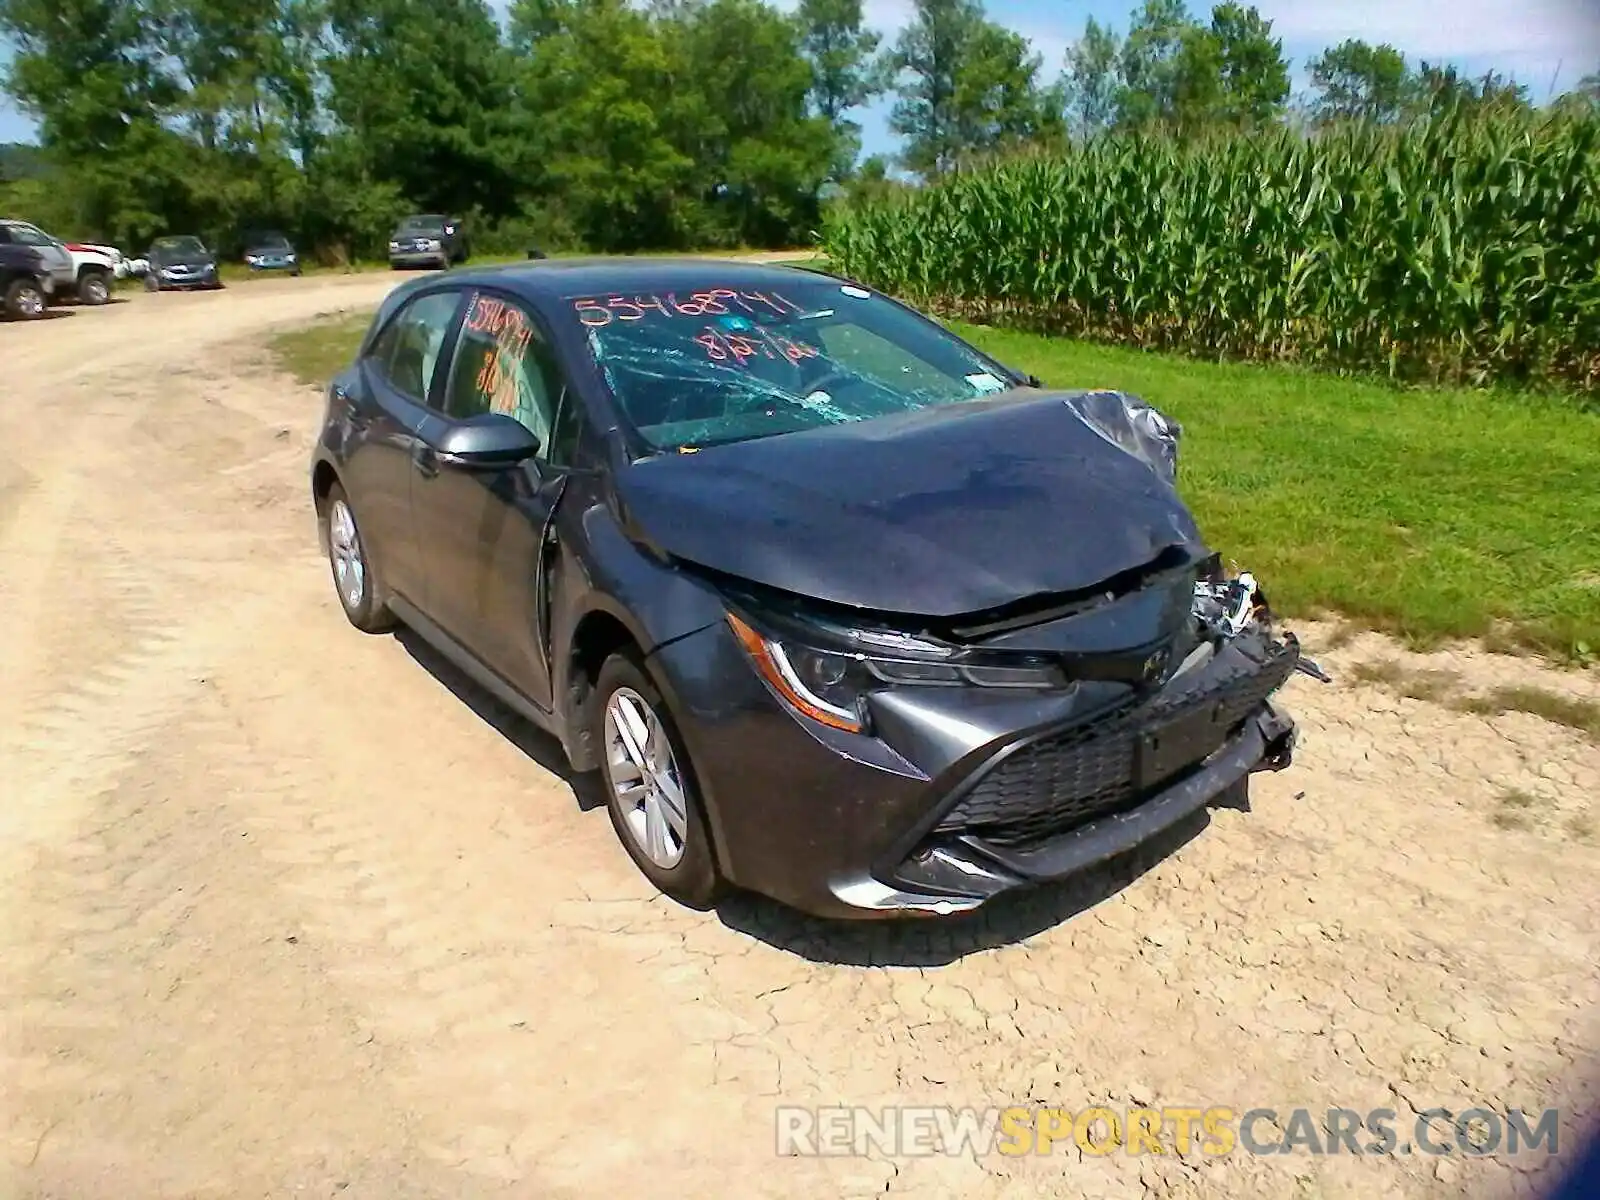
287	910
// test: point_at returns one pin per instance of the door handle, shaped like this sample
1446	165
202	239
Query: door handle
425	461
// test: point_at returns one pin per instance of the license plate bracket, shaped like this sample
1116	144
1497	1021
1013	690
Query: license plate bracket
1165	749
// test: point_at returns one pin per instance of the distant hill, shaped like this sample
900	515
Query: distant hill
20	161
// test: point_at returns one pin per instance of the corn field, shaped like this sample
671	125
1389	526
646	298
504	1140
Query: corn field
1461	249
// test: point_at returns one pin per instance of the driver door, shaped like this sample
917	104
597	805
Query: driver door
57	258
486	534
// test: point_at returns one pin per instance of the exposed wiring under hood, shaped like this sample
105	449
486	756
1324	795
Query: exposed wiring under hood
1226	608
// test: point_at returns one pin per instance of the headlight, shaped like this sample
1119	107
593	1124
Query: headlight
394	245
826	671
252	259
436	245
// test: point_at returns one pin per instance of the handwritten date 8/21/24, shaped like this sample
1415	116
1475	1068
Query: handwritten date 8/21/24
720	346
596	312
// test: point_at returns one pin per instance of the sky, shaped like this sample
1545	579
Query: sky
1535	41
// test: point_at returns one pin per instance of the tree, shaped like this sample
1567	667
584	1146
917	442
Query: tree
1153	62
1438	89
92	73
608	162
761	156
1255	75
1092	80
967	86
1357	81
843	72
421	94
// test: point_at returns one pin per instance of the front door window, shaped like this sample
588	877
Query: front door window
503	365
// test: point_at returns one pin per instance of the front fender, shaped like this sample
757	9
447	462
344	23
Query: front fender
655	599
607	575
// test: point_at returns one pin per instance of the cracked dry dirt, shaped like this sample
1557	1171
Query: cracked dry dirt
282	913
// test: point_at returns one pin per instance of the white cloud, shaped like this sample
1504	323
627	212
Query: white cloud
1508	31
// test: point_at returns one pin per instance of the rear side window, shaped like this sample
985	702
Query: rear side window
406	353
29	236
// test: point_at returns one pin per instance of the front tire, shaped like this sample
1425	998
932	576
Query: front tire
651	791
94	287
25	300
152	282
356	579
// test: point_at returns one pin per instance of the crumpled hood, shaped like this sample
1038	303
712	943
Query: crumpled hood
950	511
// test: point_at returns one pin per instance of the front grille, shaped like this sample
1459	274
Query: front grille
1067	779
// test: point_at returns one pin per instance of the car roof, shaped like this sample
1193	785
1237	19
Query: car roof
557	278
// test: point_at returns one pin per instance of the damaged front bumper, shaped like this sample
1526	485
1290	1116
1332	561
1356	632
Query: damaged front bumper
959	870
953	795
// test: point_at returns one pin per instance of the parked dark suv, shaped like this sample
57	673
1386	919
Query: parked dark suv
25	283
428	240
838	608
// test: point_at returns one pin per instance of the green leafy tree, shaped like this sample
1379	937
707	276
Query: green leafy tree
1254	73
1162	46
598	90
93	75
1444	88
844	74
761	155
1093	80
1360	82
420	94
967	87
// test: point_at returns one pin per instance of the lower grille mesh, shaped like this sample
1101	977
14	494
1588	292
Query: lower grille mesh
1071	778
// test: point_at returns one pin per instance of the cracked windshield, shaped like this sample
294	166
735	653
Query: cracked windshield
722	365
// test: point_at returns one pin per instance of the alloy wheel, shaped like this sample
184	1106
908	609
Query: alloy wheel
344	546
645	779
30	302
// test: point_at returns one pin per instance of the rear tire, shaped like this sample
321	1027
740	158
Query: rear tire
94	287
25	300
356	579
666	836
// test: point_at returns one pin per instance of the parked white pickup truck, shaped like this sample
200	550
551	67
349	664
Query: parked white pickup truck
76	268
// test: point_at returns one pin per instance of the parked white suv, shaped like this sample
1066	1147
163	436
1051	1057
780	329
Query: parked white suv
75	269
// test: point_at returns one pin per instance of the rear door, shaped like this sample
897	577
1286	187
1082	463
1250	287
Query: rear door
398	375
487	537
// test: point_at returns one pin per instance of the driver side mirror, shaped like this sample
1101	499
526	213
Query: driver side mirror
490	441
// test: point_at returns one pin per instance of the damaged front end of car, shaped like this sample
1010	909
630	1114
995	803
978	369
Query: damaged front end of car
1052	741
974	749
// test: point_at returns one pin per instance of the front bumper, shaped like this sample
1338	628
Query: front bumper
961	797
419	258
274	264
202	279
